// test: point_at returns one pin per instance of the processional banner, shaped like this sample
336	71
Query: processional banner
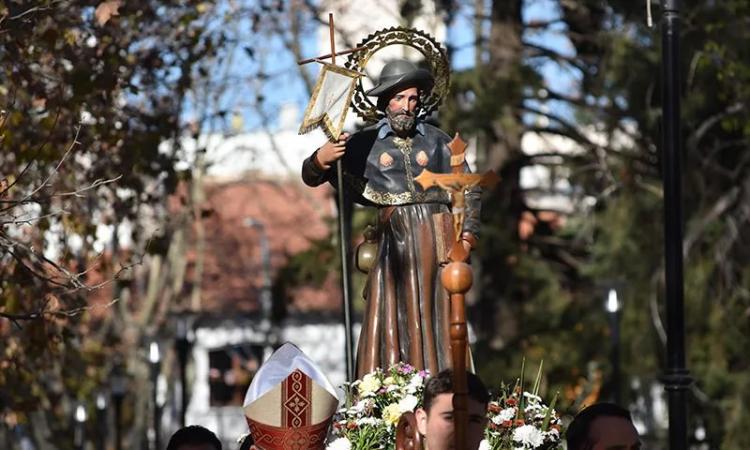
330	100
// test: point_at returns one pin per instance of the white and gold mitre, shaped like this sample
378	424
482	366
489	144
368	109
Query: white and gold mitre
290	403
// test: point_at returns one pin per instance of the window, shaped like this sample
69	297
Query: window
231	371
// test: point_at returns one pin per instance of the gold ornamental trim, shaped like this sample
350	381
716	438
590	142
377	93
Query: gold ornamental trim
405	198
405	146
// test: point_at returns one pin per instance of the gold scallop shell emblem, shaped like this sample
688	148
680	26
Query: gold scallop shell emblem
422	158
386	160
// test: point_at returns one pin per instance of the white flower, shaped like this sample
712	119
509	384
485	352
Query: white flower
369	384
368	421
415	382
360	406
341	443
484	445
388	381
408	403
506	414
393	388
529	436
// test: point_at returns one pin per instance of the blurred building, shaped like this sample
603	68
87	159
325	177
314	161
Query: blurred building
233	332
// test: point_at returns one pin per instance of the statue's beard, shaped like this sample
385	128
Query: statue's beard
401	121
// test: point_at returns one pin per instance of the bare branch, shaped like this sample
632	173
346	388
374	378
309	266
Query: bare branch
49	177
699	132
94	185
36	153
43	312
538	50
47	7
30	220
698	226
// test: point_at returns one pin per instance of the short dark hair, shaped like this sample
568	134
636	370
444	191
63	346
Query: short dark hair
577	435
193	435
246	442
442	383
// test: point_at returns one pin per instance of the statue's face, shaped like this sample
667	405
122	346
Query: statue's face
401	110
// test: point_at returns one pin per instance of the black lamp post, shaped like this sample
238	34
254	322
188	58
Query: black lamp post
183	343
118	388
613	309
266	300
79	431
154	359
101	421
677	379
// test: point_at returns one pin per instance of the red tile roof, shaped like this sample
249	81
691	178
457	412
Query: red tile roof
292	215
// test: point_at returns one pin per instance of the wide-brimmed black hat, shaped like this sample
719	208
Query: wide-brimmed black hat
401	73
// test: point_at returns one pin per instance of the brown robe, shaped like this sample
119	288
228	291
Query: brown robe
406	316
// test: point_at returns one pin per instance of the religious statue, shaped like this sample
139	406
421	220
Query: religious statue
407	310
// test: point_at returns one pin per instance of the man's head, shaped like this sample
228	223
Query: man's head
401	110
194	437
399	88
435	417
603	426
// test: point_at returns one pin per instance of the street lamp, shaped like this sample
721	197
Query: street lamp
612	306
677	379
101	421
118	388
183	343
265	255
154	359
80	427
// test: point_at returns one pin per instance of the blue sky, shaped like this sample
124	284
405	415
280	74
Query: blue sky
283	84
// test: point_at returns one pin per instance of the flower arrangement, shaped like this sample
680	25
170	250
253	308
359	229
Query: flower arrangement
373	408
520	420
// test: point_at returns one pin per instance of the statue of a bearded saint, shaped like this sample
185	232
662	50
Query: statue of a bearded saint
407	312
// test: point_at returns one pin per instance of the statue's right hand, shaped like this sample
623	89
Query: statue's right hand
331	152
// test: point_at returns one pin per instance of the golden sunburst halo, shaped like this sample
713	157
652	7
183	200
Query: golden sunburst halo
434	55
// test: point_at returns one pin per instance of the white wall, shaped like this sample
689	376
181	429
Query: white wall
321	342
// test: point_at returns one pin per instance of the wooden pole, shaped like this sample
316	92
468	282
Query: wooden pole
331	32
330	55
457	279
343	244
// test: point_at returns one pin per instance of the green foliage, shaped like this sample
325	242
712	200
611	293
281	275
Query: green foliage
542	296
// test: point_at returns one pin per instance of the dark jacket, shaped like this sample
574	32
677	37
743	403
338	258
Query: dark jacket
379	169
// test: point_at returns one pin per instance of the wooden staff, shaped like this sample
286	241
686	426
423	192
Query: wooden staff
343	234
457	276
330	55
343	244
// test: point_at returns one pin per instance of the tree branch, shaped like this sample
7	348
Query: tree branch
52	174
